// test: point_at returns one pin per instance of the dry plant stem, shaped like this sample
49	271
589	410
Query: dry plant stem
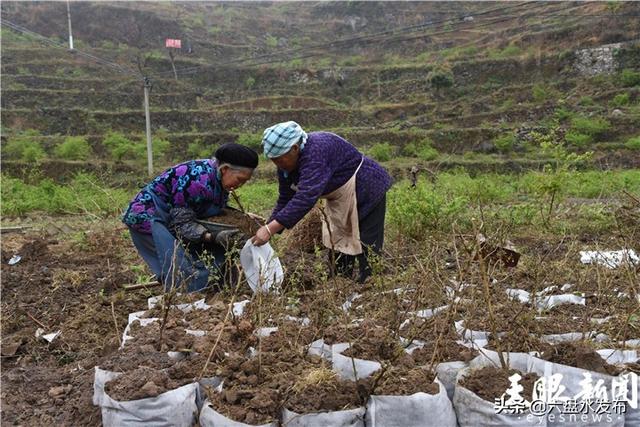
249	218
487	297
332	254
115	323
224	323
259	335
167	297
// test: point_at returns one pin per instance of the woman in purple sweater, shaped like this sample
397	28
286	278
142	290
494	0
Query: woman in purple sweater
324	165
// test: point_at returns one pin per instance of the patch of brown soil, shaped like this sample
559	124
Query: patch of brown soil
254	388
400	381
447	351
236	218
52	384
141	383
490	382
579	355
376	344
306	235
327	393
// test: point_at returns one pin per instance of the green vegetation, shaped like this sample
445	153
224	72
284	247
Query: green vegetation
578	139
25	146
123	149
82	195
505	143
592	126
620	100
198	150
629	78
541	92
73	148
421	149
633	143
382	152
441	79
251	140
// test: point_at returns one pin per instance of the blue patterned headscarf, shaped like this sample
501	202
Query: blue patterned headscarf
278	139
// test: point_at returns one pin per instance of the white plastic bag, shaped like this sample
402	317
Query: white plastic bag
261	267
348	418
209	417
610	259
174	408
416	410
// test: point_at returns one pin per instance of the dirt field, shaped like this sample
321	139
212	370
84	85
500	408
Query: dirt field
70	280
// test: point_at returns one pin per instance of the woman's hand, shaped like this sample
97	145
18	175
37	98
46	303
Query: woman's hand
262	236
264	233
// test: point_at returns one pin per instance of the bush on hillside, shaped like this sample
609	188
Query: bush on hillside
629	78
592	126
25	147
578	139
505	143
620	100
381	152
421	149
633	143
73	148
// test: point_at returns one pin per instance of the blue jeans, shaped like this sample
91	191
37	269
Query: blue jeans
171	263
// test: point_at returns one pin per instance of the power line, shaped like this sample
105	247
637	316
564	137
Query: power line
339	43
251	62
117	67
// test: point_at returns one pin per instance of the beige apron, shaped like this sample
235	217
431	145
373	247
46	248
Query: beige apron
342	233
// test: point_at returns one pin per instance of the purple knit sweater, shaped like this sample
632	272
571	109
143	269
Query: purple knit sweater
325	164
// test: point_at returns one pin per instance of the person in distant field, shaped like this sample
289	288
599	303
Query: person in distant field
414	176
162	217
324	165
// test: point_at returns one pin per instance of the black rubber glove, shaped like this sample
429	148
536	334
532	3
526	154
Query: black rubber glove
182	223
229	238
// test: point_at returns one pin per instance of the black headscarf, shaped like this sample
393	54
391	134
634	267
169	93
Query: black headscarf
237	155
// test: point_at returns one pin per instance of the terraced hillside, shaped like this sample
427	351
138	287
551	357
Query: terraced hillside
477	85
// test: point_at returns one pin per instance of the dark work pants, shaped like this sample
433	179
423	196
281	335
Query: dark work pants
372	238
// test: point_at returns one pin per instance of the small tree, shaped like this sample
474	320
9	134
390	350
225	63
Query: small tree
73	148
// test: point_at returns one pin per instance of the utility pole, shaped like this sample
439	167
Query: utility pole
147	88
69	21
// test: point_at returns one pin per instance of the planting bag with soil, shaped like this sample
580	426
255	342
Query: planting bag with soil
411	411
261	266
350	368
209	417
173	408
348	418
573	380
447	372
632	415
472	410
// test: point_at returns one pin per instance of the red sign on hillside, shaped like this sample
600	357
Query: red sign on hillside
177	43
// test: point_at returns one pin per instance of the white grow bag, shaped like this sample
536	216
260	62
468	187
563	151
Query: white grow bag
209	417
348	418
174	408
415	410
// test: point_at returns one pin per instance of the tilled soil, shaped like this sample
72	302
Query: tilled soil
579	355
71	286
321	390
490	382
402	381
244	223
